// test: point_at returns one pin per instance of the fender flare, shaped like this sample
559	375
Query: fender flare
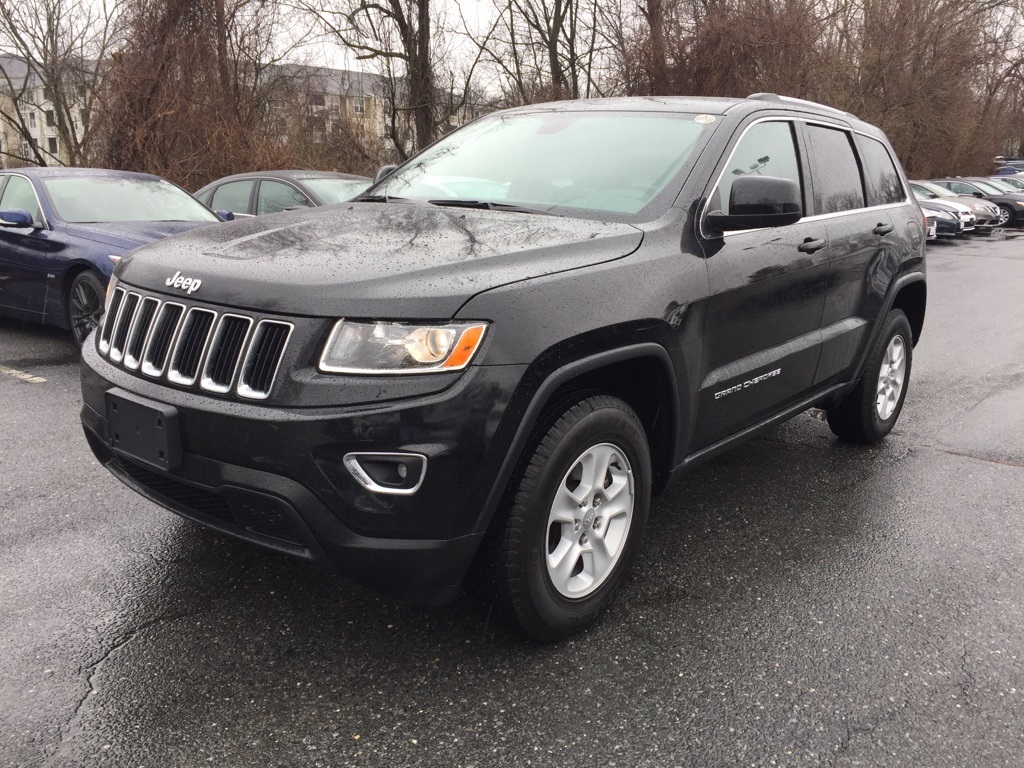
531	416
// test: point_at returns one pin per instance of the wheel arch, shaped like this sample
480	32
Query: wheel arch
642	375
72	271
912	299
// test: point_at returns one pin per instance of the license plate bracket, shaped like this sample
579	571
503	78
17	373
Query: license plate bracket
143	429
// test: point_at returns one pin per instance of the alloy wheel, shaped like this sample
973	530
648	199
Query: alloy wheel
85	309
589	521
890	378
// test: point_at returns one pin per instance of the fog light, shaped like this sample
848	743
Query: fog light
396	473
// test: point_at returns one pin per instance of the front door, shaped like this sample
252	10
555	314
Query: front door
24	252
761	339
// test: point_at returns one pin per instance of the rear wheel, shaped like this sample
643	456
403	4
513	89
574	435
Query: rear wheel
85	305
870	411
574	526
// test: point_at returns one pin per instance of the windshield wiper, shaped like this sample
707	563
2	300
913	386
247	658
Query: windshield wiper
376	198
487	205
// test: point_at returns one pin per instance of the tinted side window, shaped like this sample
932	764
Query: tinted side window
837	184
233	196
767	149
19	194
883	180
275	196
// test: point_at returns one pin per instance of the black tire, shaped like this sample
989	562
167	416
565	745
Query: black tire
857	418
1005	209
525	591
84	305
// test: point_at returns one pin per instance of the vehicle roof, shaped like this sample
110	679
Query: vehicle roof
709	105
290	176
34	171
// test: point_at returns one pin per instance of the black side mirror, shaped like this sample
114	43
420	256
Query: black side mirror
225	215
16	217
979	194
759	201
383	172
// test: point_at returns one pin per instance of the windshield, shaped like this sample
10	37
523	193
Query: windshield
935	189
578	161
1000	185
336	190
84	199
988	189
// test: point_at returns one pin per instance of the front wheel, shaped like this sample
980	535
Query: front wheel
84	305
870	411
1005	216
574	526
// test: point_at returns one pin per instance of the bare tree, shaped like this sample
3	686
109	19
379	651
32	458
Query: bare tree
193	100
51	65
425	85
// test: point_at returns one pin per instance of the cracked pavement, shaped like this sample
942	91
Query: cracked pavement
799	602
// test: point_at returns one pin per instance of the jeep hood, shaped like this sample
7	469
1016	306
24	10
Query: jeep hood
366	260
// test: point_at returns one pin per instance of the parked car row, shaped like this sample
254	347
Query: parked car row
958	205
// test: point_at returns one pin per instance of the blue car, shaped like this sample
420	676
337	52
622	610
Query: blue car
62	230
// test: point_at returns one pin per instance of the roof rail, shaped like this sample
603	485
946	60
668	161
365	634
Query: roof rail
804	102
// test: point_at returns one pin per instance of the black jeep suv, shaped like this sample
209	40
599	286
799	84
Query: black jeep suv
490	362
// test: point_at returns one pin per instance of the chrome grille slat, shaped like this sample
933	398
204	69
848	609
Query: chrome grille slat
190	346
225	352
110	319
154	359
263	359
139	333
125	319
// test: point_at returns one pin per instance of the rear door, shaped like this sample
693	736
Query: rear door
761	339
860	196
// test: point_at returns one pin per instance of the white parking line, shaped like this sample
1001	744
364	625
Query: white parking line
14	373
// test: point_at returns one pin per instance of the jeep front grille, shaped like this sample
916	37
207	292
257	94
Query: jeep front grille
220	351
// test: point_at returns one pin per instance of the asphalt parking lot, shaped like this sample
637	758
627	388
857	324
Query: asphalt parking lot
799	601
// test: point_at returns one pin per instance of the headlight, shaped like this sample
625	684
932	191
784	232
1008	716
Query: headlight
390	348
943	215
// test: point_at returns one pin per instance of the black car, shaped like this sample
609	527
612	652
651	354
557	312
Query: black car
947	219
423	388
254	194
1011	204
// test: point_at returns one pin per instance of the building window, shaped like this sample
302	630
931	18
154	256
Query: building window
51	145
81	91
31	119
51	118
359	105
316	99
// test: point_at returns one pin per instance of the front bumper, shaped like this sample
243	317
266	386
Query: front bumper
276	476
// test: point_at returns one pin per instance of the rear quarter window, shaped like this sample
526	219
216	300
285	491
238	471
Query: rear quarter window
883	180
